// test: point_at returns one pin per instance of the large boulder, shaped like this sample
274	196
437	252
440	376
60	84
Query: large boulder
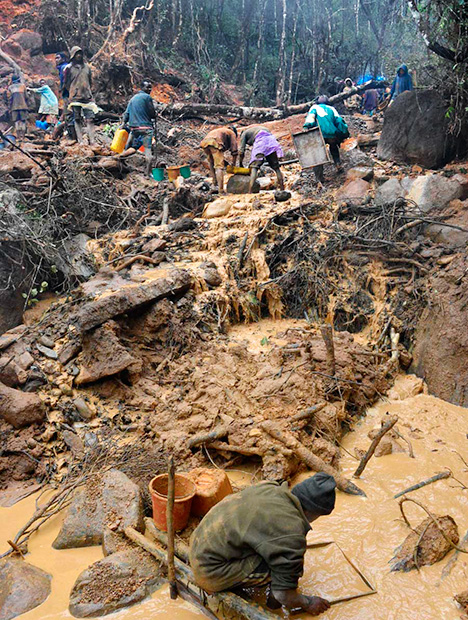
416	131
354	191
104	355
22	587
113	501
20	408
117	581
434	191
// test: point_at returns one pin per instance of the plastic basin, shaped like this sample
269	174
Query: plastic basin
185	172
184	492
158	174
173	172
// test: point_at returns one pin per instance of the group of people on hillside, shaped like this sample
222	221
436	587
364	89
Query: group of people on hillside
75	89
368	102
79	110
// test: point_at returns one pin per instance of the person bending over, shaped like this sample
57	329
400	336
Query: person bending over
258	536
214	145
264	147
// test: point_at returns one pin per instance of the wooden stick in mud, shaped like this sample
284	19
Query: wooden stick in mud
170	528
386	426
423	483
308	413
309	458
230	601
327	334
197	440
227	447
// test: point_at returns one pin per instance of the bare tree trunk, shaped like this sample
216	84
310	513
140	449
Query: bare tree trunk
293	51
261	31
281	76
4	56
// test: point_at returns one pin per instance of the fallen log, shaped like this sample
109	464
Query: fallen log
386	426
181	549
226	447
235	604
190	110
309	458
423	483
198	440
327	335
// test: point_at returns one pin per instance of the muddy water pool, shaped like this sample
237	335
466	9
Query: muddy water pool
366	529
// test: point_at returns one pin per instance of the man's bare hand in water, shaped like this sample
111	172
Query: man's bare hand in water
315	605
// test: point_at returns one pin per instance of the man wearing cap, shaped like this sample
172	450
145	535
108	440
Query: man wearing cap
78	84
258	536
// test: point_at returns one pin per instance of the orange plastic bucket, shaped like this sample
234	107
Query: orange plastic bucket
184	492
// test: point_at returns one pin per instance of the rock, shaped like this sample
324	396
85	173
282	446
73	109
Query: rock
117	581
211	276
217	208
154	245
103	355
19	408
445	235
75	260
83	409
50	353
354	191
239	184
282	195
266	182
74	443
431	544
132	297
356	157
69	350
47	342
415	131
104	501
380	177
22	587
360	172
28	40
391	190
11	374
11	336
434	191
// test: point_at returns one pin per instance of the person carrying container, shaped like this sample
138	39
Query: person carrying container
265	147
140	117
18	106
258	536
334	131
214	145
78	84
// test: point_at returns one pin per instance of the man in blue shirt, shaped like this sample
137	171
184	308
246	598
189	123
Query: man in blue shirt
140	117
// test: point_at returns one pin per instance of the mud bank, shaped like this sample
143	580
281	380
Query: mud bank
367	529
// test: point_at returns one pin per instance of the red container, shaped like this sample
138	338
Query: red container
184	492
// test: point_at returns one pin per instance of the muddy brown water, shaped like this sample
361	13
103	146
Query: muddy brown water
367	530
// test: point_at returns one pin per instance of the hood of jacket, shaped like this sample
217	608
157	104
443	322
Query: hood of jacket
403	68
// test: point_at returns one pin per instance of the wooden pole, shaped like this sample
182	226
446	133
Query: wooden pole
423	483
308	413
327	335
309	458
227	600
170	528
386	426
